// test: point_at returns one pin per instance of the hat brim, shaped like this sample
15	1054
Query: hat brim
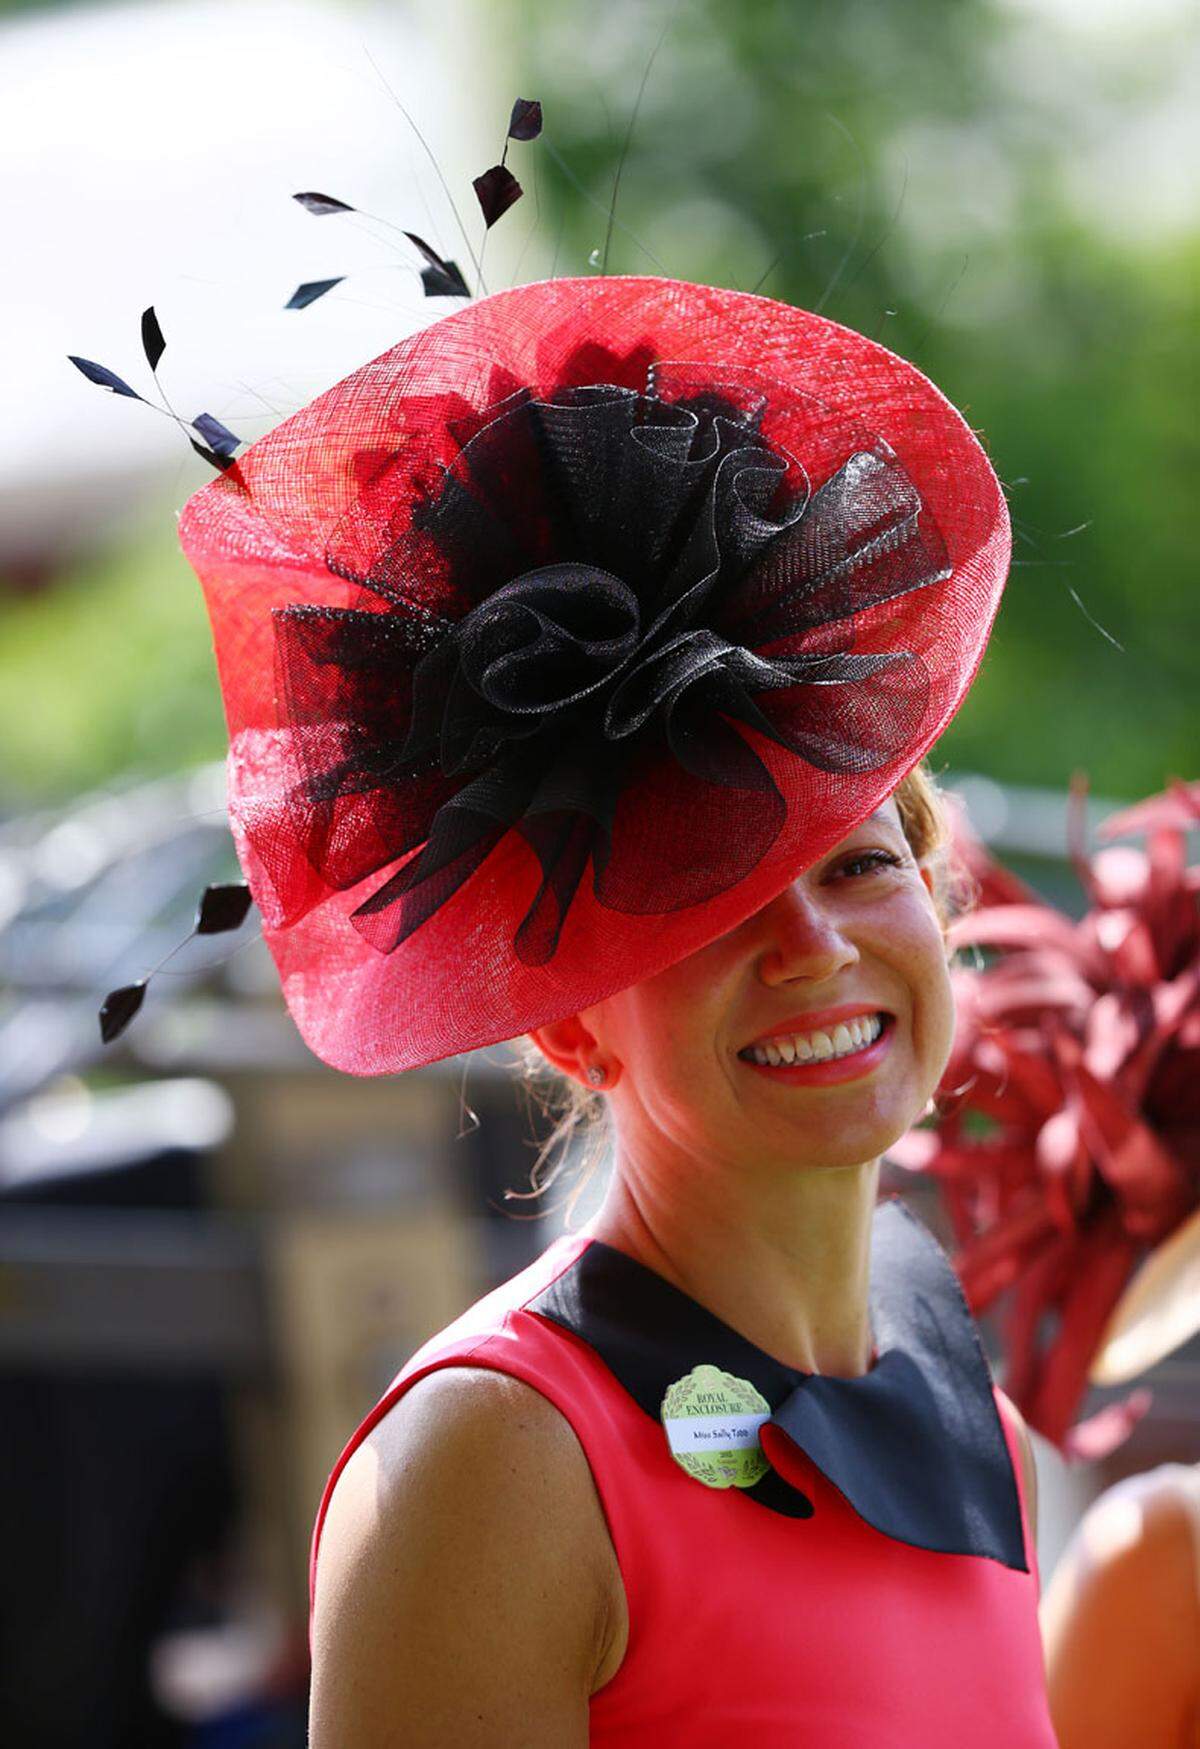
258	539
1157	1313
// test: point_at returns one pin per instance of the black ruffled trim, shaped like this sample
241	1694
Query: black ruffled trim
600	587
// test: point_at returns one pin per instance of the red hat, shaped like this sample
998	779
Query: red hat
560	638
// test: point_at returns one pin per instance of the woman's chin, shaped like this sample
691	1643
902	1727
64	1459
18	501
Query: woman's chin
829	1122
852	1141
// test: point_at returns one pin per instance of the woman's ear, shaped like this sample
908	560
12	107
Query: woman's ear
568	1046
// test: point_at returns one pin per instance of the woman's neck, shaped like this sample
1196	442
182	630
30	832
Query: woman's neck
788	1270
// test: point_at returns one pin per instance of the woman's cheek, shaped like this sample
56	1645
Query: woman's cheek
918	951
937	1018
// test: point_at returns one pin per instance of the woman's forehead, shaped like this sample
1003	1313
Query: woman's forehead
888	811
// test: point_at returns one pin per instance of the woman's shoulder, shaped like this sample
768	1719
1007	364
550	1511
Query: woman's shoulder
463	1420
463	1521
464	1529
486	1334
471	1368
1126	1579
466	1448
1149	1518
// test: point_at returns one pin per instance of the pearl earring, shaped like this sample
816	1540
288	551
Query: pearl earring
597	1076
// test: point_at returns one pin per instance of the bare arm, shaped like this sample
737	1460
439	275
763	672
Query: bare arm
465	1582
1120	1626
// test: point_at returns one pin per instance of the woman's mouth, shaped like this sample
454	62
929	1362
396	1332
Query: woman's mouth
840	1051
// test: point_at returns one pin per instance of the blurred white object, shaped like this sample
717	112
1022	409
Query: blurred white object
201	1674
70	1128
148	155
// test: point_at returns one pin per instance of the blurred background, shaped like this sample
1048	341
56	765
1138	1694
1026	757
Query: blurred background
214	1251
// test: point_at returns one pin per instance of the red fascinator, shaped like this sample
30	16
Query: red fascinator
557	640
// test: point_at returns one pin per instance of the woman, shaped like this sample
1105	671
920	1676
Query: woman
610	620
1121	1617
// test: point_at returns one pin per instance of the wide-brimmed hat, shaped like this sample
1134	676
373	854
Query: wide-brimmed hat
1157	1313
560	638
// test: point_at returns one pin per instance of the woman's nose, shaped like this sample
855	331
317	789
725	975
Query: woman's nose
804	941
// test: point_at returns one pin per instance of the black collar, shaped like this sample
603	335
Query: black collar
915	1445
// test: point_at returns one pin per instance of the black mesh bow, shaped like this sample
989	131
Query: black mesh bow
619	579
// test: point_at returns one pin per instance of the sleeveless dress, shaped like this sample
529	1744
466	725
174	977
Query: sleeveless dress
875	1588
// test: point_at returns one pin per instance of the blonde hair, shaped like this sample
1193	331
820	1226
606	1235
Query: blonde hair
579	1117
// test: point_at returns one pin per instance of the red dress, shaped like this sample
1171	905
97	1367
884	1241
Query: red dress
876	1588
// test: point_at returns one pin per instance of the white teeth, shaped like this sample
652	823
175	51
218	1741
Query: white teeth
820	1046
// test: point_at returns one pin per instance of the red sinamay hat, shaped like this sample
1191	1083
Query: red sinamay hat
560	638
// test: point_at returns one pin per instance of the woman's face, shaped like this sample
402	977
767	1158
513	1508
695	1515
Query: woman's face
840	982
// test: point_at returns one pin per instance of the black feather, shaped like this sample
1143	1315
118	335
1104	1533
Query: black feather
119	1008
153	343
223	906
107	379
310	291
525	122
320	205
497	189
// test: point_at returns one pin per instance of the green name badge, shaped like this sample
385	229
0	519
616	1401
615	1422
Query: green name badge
712	1421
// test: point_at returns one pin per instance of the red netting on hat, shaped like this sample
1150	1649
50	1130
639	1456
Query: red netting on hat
557	640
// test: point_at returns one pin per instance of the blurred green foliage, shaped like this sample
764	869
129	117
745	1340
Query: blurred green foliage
932	172
109	671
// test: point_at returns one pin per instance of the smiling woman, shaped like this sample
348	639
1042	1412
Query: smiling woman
592	640
580	1136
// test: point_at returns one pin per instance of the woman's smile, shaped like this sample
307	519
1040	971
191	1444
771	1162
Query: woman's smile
833	1047
810	1035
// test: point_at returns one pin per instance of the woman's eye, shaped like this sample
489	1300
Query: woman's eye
868	861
